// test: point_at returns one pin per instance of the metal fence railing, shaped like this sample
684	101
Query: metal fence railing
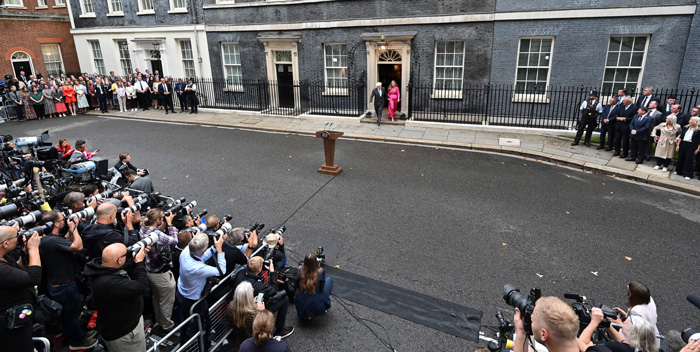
288	98
506	105
194	344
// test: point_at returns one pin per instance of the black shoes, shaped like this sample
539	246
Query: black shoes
574	143
630	159
587	144
600	147
288	330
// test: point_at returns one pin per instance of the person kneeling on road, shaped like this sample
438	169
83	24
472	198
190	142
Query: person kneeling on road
639	335
314	295
194	274
275	300
554	324
117	291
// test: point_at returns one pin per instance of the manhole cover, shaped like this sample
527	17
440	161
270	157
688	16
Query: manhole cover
509	142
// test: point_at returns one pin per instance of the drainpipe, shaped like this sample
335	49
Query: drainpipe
196	37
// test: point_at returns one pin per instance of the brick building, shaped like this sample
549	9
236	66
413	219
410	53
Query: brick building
36	38
528	45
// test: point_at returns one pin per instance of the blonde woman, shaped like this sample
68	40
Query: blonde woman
394	99
262	339
688	146
80	93
665	142
242	312
120	92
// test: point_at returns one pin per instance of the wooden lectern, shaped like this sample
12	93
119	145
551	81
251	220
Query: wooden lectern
329	138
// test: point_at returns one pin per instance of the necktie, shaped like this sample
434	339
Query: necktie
165	88
645	103
380	92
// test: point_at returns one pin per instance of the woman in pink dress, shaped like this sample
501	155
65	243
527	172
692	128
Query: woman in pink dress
394	99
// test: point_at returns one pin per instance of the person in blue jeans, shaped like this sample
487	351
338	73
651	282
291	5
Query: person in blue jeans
313	298
56	249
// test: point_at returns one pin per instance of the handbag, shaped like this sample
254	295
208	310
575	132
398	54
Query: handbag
19	315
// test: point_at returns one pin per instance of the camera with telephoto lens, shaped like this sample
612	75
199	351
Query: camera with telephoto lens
139	202
83	214
149	240
226	218
225	229
42	230
201	214
279	231
583	310
255	227
110	193
24	220
173	207
526	304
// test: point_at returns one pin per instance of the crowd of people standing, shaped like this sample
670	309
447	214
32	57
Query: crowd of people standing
39	98
638	130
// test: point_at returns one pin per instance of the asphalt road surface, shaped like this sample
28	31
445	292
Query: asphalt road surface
452	224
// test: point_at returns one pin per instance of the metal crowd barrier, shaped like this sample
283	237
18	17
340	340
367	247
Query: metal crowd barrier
191	345
44	341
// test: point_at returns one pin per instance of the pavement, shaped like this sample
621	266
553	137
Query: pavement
443	221
543	145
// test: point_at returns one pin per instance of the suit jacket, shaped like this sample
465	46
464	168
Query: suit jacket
161	88
658	117
652	98
378	100
102	94
628	113
683	119
696	137
180	88
612	110
642	124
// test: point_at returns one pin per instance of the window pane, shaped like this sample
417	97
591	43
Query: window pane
546	45
544	60
522	74
627	44
609	75
633	75
535	46
640	43
612	59
534	59
624	59
531	74
542	75
614	44
620	75
524	45
637	59
522	60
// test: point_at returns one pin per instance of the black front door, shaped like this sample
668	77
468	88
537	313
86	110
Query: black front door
156	65
388	73
285	85
22	66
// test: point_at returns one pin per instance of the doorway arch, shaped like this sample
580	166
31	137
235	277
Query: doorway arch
21	61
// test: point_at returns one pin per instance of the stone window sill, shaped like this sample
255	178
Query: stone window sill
115	14
88	15
178	11
145	13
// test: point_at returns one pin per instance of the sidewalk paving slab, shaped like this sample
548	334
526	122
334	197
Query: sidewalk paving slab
622	164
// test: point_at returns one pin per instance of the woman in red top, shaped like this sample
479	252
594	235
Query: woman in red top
69	95
64	148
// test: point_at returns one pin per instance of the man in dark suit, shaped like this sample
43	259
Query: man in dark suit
379	97
180	90
693	112
639	129
668	105
101	89
647	97
622	127
165	93
657	118
607	124
22	77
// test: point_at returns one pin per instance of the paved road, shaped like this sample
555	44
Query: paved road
448	223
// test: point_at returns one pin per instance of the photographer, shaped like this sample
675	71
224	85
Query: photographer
158	265
74	201
141	183
639	302
57	248
183	239
275	300
194	274
117	291
639	336
103	232
17	289
234	249
314	295
554	324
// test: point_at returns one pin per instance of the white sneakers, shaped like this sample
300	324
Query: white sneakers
664	169
656	167
687	178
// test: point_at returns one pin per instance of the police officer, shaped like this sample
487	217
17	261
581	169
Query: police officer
590	109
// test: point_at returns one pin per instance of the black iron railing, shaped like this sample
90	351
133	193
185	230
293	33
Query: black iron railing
503	105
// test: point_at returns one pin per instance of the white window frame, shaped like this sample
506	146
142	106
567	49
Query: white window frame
447	93
84	9
186	59
174	9
41	5
114	12
62	68
616	86
123	59
328	90
233	87
94	57
18	5
532	97
59	3
144	11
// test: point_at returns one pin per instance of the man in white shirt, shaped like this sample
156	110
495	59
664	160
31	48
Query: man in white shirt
142	90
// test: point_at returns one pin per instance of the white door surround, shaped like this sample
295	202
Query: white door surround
400	42
281	43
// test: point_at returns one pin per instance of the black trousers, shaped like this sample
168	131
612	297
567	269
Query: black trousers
167	102
663	162
143	100
191	328
686	156
102	99
183	102
279	307
622	137
378	110
638	149
607	130
19	340
39	110
19	110
587	123
192	102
